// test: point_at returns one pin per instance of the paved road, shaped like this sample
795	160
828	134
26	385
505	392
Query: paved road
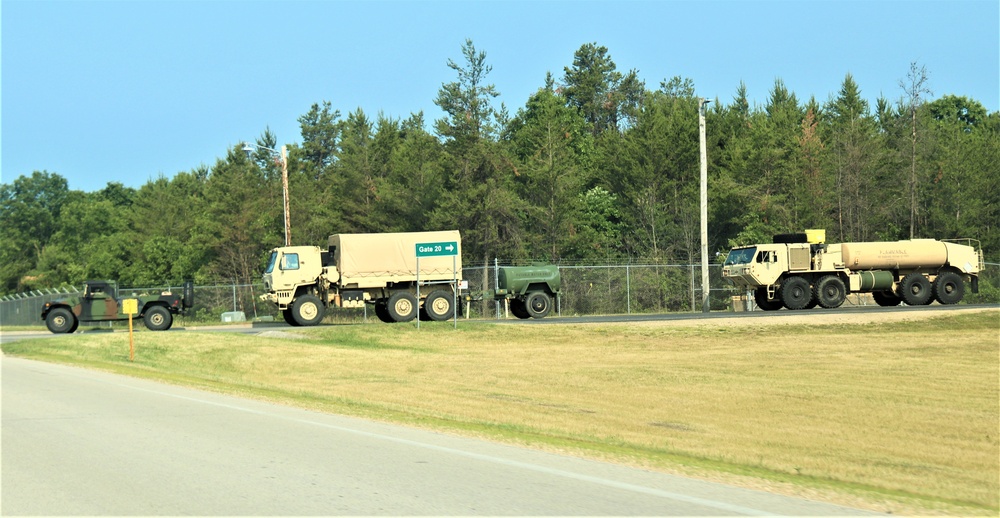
783	313
7	337
79	442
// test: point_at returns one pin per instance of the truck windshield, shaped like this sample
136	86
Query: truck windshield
271	261
741	255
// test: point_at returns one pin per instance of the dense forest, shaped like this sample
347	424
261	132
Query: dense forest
597	167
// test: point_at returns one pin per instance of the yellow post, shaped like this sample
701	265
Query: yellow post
131	344
130	306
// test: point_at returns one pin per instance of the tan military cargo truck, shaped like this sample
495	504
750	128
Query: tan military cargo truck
801	271
376	269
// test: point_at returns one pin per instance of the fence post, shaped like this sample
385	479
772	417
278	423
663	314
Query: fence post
559	295
691	287
628	291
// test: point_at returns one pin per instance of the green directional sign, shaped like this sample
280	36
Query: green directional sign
437	249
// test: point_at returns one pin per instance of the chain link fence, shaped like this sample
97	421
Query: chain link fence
586	290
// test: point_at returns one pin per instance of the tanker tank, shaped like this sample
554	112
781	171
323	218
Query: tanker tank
517	279
915	253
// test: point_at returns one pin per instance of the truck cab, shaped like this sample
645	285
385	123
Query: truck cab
297	280
756	265
100	301
290	267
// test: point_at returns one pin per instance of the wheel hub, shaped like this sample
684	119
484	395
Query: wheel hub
440	306
403	307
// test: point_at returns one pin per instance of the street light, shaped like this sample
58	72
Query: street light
249	149
705	287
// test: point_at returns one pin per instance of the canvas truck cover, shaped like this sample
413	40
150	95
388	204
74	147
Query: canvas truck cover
372	260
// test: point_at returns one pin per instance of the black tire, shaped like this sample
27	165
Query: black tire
307	310
518	309
915	289
287	316
158	318
188	291
382	311
886	298
949	288
402	306
538	304
830	292
61	320
760	297
796	293
439	306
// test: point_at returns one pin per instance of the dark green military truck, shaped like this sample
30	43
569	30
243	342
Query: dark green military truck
100	303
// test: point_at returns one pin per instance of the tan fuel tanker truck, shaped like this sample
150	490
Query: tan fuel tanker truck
359	269
801	271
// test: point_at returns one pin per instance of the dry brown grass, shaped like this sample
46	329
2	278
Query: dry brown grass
902	416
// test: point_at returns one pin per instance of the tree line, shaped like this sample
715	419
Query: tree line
595	168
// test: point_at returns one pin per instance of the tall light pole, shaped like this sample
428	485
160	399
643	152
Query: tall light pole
249	149
705	286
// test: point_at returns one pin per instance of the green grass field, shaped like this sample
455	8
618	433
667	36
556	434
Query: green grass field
902	417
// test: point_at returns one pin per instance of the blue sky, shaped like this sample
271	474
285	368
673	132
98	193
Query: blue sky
111	91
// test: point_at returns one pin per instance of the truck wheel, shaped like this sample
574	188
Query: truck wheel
796	293
438	306
307	310
518	309
830	292
188	291
885	298
915	289
61	320
382	311
538	304
402	306
949	288
286	315
158	318
760	297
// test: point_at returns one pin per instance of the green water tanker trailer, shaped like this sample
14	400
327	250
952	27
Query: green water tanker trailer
529	290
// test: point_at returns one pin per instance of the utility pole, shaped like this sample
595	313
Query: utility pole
282	155
284	188
705	287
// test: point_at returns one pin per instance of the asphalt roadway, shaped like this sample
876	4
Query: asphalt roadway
82	442
748	315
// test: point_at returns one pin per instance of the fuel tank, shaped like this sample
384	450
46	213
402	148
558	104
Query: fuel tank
915	253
